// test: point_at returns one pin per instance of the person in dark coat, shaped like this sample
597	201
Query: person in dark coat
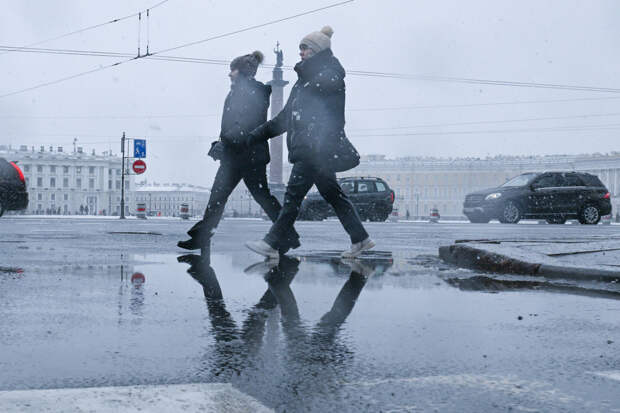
245	108
317	145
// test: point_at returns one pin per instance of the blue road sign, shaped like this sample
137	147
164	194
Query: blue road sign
139	148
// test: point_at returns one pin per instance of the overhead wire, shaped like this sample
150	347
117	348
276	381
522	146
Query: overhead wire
362	73
84	29
484	122
178	47
608	126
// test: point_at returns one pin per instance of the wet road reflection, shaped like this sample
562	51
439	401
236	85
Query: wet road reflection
387	332
315	359
496	285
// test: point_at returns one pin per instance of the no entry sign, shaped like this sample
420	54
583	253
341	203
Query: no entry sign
139	166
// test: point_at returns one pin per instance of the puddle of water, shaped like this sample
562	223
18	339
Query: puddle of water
288	334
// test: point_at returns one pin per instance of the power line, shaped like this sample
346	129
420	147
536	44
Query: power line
613	126
362	73
467	105
257	26
483	122
176	48
483	81
609	126
116	20
53	82
108	116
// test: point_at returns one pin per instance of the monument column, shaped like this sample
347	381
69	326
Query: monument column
275	145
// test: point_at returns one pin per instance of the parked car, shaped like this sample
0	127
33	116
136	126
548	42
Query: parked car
434	215
552	196
13	193
372	197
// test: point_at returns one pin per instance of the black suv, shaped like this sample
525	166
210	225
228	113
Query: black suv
372	197
553	196
13	195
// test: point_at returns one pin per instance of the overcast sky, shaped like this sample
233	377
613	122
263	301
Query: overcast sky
176	106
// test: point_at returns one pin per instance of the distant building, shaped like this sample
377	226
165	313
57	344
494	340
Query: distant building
71	183
241	203
166	199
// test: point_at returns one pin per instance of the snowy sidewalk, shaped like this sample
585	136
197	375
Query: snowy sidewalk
595	258
199	397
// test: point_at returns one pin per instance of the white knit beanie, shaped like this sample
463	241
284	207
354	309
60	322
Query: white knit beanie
318	41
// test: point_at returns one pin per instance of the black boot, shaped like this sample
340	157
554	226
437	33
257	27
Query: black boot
190	244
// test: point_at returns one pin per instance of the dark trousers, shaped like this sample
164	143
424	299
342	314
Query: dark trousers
226	180
303	176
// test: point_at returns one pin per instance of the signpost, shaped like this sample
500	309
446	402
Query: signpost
139	148
139	166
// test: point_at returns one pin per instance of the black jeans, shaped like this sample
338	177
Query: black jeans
303	176
227	178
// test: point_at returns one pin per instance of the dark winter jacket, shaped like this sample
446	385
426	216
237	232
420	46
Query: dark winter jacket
314	116
245	108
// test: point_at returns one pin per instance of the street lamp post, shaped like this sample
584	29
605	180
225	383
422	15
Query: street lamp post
123	177
417	202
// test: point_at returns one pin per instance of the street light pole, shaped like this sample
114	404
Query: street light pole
123	177
417	199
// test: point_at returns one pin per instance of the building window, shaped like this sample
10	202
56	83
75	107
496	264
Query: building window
91	183
39	182
78	183
78	170
26	168
91	170
53	197
118	184
39	168
39	197
65	169
66	197
52	169
52	182
65	182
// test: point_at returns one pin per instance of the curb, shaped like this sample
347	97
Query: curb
467	256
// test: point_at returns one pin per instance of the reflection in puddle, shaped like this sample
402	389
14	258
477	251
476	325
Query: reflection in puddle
495	285
313	354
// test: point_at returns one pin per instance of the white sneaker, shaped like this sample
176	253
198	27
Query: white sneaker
262	267
358	248
262	248
359	267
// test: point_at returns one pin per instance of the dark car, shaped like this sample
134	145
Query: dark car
13	195
372	197
553	196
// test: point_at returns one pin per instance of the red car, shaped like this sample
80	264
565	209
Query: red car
13	194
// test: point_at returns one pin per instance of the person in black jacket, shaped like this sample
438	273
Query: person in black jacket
245	108
314	121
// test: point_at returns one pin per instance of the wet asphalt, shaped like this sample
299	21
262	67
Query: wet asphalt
93	302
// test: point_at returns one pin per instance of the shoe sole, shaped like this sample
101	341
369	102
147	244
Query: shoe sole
188	248
367	247
263	253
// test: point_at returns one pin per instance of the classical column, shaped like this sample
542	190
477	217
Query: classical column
275	144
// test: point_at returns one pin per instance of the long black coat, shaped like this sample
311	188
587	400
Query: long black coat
245	108
314	116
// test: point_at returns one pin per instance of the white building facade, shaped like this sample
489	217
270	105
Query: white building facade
71	183
166	199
